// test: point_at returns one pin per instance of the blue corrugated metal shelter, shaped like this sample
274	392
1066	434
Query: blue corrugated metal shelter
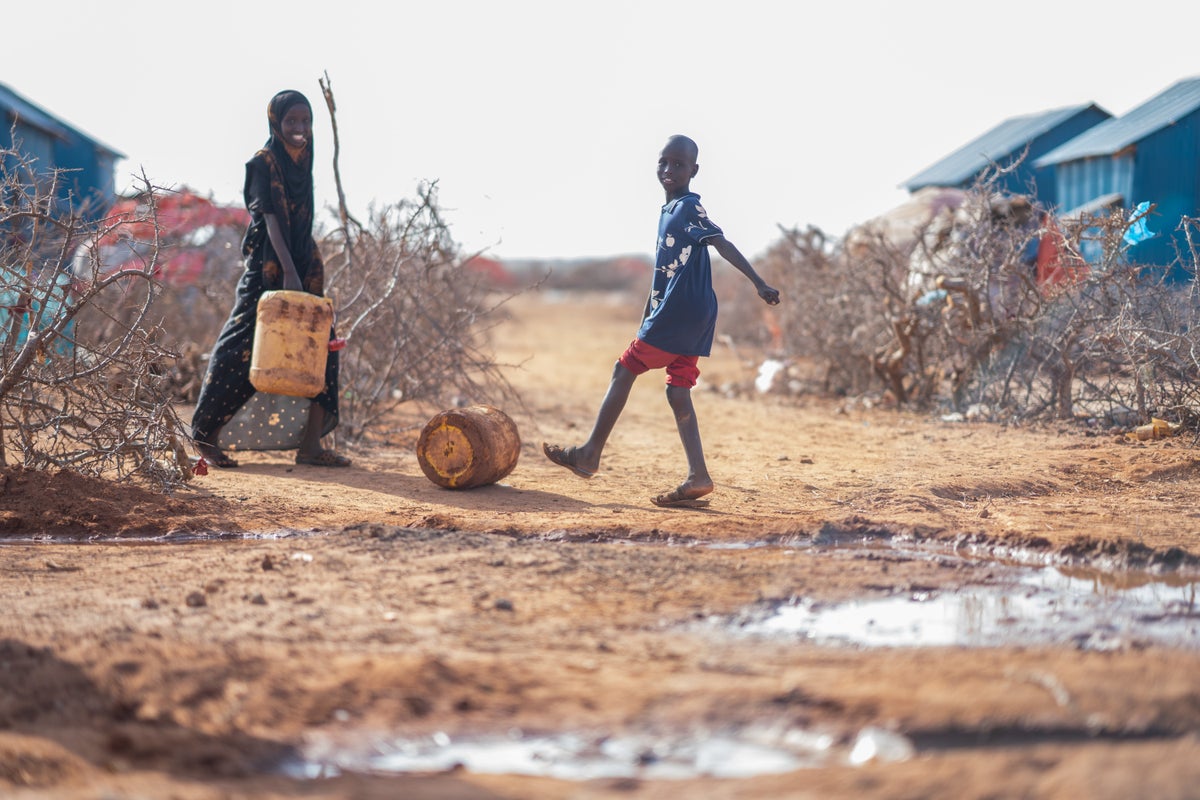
1152	154
1028	136
87	180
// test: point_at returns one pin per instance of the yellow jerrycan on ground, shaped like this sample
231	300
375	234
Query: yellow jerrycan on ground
291	343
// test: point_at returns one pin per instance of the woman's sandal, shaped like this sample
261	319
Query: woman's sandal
215	456
322	458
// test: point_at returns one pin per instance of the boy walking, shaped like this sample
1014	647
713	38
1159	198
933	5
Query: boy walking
677	325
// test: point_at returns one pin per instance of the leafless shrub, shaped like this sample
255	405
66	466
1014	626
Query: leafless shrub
1129	337
78	389
973	277
823	324
956	316
415	319
196	267
1109	339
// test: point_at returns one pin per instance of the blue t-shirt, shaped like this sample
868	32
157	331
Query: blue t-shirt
683	306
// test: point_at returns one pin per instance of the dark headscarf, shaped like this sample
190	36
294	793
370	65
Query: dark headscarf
291	190
297	175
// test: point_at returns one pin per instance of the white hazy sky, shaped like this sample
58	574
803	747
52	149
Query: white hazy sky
542	121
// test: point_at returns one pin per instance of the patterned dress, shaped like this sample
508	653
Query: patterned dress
278	184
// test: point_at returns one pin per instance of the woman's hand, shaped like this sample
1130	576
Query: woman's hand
291	278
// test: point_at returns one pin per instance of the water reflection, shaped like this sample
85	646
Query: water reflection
730	754
1084	608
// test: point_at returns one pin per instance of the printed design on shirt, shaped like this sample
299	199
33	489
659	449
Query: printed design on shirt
698	227
669	262
669	269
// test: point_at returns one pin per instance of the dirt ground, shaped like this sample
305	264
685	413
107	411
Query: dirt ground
184	646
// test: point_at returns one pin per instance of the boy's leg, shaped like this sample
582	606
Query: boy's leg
610	410
698	482
585	459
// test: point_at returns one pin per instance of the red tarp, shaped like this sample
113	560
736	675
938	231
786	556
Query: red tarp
1057	265
131	233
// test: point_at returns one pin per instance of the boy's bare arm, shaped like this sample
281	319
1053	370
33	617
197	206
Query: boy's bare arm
730	253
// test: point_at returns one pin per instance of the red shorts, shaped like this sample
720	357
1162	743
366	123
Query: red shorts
640	357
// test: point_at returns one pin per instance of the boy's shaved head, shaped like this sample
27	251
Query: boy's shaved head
679	140
677	165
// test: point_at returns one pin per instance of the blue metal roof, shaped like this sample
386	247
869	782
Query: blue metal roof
1114	135
13	105
1007	139
18	107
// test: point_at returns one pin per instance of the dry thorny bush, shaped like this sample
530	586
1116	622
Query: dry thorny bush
78	389
414	318
954	317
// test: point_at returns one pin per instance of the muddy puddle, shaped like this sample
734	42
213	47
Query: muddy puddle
1019	598
738	753
173	537
1075	607
994	604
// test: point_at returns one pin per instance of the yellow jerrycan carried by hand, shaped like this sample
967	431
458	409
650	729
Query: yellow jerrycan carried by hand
291	343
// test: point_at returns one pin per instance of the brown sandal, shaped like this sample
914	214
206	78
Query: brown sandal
681	498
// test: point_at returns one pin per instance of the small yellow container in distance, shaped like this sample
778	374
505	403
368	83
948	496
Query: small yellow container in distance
291	343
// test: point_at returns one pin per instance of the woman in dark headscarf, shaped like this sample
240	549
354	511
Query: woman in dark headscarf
279	252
